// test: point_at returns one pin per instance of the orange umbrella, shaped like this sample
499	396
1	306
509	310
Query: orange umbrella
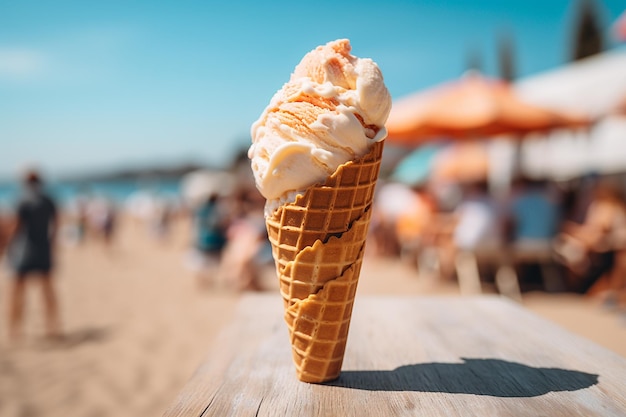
473	106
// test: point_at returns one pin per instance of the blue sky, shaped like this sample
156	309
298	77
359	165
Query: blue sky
91	86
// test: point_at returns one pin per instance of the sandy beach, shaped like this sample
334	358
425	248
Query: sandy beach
137	326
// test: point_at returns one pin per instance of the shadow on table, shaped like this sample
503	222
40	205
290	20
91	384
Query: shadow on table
492	377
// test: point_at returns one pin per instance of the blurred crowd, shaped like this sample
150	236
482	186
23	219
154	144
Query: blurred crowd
553	236
230	244
541	235
227	246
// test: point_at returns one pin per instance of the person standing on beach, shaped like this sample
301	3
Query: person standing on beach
30	254
211	220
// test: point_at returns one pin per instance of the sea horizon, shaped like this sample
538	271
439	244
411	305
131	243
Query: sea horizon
118	191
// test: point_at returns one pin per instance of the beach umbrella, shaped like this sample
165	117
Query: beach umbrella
199	185
471	107
593	86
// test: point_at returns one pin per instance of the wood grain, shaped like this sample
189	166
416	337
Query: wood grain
411	356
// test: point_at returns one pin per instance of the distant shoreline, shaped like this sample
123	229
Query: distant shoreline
118	190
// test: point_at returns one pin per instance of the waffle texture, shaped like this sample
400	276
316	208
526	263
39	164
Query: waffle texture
318	243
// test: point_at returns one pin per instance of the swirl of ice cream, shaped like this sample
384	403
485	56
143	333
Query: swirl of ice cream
331	111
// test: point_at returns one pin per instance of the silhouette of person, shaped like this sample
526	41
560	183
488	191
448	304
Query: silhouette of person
101	215
590	249
210	223
30	254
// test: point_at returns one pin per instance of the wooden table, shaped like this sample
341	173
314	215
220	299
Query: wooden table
411	356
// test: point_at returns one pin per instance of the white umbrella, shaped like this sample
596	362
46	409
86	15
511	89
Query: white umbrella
593	86
596	86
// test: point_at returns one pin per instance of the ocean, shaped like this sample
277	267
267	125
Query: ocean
117	191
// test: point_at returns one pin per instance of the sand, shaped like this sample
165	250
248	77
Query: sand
137	325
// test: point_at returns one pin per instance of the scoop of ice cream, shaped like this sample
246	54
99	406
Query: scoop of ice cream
331	111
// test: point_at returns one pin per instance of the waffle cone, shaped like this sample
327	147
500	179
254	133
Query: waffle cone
318	243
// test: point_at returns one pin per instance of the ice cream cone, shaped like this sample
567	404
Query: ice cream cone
318	243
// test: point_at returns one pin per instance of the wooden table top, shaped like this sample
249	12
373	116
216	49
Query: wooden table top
411	356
